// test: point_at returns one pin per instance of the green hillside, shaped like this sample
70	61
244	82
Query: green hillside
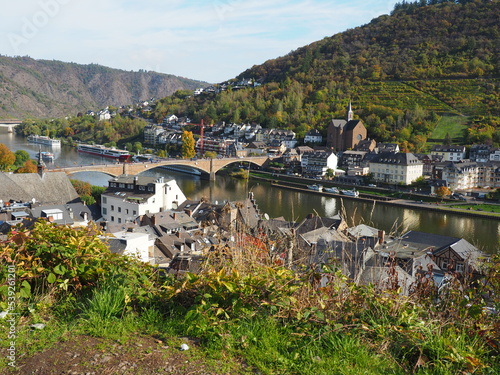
402	72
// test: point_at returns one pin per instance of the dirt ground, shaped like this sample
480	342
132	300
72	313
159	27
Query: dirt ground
91	356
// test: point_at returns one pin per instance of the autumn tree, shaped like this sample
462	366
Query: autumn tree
28	167
187	149
443	191
81	187
7	157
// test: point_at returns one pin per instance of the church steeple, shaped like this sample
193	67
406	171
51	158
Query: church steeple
350	114
41	165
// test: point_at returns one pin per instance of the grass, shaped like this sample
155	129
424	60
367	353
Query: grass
455	126
495	208
246	311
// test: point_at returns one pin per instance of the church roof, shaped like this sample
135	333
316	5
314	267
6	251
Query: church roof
51	188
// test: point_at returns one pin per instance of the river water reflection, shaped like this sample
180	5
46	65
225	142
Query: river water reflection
294	205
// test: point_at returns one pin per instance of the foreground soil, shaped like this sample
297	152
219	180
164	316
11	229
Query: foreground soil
85	355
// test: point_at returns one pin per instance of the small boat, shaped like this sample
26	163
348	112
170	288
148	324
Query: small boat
47	156
350	193
315	187
331	190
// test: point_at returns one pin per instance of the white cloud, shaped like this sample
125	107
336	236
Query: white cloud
209	40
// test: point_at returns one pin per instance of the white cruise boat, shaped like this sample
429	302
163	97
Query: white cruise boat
107	152
43	140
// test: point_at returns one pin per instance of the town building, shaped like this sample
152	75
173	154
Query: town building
313	136
152	135
128	197
481	153
345	134
448	152
467	175
318	162
396	168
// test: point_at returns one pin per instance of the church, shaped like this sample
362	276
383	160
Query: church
345	134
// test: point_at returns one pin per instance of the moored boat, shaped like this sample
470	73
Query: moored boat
331	190
315	187
107	152
350	193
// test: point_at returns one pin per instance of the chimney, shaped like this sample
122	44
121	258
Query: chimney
189	213
153	219
381	237
175	215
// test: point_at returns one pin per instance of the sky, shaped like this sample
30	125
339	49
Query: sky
209	40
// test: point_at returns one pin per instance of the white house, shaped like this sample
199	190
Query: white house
317	163
396	168
133	244
128	197
449	153
313	136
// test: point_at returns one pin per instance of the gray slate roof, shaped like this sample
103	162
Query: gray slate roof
52	188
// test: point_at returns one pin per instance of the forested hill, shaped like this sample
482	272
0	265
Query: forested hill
405	73
450	39
41	88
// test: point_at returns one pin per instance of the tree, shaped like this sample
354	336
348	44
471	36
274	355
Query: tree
210	154
21	158
137	147
187	149
28	167
447	139
7	157
443	191
81	187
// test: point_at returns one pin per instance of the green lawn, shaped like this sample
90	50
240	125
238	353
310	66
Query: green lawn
452	125
478	207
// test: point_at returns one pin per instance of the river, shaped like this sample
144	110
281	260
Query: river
292	205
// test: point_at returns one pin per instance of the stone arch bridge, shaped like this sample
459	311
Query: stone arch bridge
210	166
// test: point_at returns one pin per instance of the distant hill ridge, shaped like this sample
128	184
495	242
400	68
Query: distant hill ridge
43	88
445	40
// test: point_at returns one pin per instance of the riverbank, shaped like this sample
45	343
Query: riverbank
420	202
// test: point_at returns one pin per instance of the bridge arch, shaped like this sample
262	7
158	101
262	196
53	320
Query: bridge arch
210	166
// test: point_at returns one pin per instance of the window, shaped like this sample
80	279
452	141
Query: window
121	185
134	213
104	211
119	209
104	200
119	220
444	264
112	218
126	211
112	208
142	188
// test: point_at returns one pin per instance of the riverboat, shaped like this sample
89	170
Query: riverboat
107	152
47	156
315	187
350	193
331	190
43	140
182	169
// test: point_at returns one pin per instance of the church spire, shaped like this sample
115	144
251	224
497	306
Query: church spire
350	114
41	165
